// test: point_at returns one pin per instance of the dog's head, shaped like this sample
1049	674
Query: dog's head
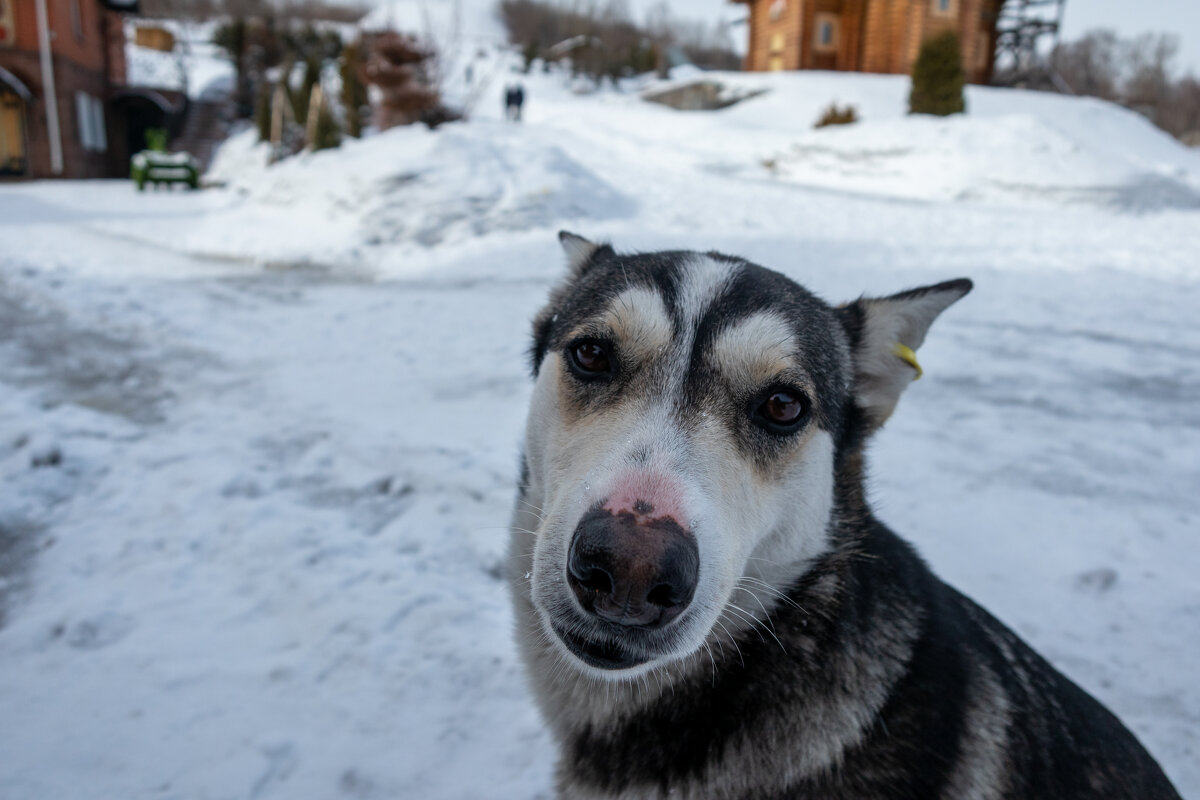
682	443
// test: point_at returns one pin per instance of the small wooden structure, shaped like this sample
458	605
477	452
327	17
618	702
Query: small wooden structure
867	35
154	37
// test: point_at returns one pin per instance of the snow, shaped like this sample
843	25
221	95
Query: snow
258	444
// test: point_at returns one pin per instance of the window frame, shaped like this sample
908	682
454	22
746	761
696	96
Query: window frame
823	21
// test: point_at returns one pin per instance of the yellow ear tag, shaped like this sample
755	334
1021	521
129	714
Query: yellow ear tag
908	356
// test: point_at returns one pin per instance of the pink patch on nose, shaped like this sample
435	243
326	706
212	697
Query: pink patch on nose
647	497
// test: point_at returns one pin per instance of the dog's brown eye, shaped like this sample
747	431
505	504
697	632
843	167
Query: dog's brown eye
591	358
783	409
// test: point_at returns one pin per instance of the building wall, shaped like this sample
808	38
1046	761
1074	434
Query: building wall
775	43
85	57
872	35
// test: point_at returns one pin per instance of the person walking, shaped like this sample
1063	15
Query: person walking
518	100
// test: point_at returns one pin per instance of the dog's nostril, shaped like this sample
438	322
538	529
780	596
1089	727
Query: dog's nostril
596	580
663	596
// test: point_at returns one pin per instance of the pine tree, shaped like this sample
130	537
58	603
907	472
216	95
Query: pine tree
262	114
354	92
938	78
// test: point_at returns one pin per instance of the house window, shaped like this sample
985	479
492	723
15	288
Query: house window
778	7
826	33
945	8
98	128
89	116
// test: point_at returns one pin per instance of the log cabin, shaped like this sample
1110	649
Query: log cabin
867	35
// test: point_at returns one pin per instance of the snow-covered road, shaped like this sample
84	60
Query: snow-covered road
254	482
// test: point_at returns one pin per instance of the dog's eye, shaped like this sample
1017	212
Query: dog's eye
590	359
783	411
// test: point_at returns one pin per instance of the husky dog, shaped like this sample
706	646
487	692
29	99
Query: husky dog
706	605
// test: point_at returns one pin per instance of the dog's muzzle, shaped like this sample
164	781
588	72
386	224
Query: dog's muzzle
629	572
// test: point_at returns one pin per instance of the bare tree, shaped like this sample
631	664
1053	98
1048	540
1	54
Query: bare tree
1090	65
1180	115
1149	61
1138	73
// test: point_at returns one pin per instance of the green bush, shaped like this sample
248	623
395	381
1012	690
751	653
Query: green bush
938	78
835	115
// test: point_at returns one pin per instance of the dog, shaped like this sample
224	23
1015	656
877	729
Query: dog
707	607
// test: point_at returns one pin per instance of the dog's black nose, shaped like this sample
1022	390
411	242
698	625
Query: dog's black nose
632	572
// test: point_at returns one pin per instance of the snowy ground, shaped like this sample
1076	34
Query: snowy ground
258	444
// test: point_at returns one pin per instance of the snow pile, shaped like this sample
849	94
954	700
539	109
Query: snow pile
407	186
1011	146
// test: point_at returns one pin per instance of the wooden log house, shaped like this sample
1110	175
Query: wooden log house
867	35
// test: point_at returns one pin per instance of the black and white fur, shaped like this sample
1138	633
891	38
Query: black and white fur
818	656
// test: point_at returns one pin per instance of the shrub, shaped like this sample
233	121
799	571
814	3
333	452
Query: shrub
835	115
938	78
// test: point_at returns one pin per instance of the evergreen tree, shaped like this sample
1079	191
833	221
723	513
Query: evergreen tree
354	91
938	78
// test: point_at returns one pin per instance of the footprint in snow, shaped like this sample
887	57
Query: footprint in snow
99	631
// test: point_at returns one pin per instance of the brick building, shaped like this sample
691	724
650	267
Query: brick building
867	35
62	66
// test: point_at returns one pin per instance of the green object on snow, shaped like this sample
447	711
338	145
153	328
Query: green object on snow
152	166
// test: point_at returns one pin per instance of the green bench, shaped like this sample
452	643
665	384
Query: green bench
152	166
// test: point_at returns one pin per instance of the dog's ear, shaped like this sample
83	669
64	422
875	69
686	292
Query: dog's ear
885	333
580	252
